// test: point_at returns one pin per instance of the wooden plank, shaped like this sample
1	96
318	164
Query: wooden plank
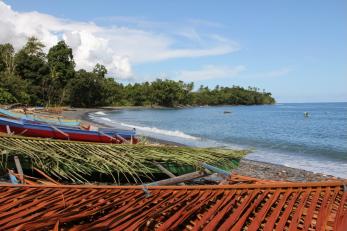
215	169
8	130
124	140
19	169
112	138
164	170
209	214
242	208
178	179
60	131
167	172
289	209
270	223
312	209
299	210
340	219
264	210
46	176
214	223
245	216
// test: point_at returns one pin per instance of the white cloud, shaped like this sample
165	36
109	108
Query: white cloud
210	72
117	47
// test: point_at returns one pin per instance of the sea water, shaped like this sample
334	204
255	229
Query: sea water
279	133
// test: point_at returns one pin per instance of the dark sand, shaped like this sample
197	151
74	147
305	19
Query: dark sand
250	168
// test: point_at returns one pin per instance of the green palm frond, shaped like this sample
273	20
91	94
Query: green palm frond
73	161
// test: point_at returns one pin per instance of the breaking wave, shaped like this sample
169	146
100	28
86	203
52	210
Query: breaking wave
152	130
106	119
100	113
161	131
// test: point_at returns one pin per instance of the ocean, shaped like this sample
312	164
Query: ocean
279	133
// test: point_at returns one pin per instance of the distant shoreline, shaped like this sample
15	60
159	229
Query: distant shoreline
247	167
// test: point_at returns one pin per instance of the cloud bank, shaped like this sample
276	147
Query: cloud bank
116	47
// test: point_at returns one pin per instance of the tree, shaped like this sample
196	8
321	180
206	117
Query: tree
90	89
85	89
7	58
166	92
6	97
34	47
31	65
30	76
113	92
13	88
16	86
61	64
100	70
185	96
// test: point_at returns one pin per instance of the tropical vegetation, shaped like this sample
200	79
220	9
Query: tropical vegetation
30	76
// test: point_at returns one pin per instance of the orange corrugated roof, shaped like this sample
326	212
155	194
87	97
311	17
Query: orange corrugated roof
240	179
279	206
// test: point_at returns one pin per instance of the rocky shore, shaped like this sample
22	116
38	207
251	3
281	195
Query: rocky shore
277	172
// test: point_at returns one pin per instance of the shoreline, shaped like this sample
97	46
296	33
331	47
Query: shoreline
252	168
82	114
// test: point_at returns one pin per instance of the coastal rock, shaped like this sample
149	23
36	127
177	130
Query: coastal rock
277	172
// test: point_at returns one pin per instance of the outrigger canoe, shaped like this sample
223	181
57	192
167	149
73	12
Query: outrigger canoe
51	120
45	130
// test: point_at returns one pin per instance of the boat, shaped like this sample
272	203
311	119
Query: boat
45	119
45	130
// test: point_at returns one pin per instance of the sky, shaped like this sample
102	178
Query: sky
297	50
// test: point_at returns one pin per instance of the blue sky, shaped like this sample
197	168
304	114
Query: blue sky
295	49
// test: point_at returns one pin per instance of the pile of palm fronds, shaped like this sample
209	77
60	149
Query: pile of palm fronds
71	160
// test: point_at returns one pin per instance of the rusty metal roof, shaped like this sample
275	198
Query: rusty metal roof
279	206
240	179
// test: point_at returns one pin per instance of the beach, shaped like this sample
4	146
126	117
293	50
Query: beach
252	168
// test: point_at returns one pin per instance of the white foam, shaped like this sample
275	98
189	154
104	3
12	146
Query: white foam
106	119
100	113
161	131
152	130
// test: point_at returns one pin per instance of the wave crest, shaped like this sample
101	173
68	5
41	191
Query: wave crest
161	131
154	130
99	113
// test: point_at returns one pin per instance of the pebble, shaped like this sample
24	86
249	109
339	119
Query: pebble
270	171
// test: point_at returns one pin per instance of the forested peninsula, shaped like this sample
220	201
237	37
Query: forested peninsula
30	76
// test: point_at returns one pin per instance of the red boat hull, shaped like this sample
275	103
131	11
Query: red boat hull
58	135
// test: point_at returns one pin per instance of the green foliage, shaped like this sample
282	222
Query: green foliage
100	70
16	86
88	89
30	76
171	93
7	58
6	97
62	70
231	96
34	47
31	65
61	63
